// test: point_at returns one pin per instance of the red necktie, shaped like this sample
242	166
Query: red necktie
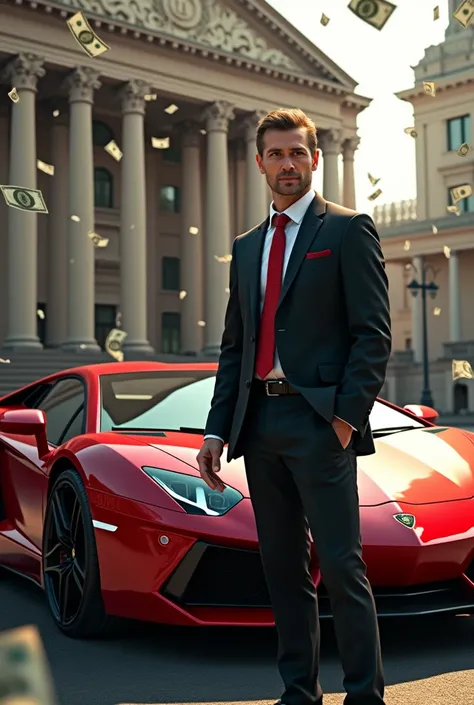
266	336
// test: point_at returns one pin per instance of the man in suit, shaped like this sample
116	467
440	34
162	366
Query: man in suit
304	353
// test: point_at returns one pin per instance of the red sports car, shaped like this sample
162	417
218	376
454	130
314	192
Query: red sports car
101	503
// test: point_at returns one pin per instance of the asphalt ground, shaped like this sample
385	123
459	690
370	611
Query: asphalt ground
428	661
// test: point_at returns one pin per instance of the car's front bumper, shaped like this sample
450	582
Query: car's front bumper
209	571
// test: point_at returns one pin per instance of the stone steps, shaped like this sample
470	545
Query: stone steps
26	367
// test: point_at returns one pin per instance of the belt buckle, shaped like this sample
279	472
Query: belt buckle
267	384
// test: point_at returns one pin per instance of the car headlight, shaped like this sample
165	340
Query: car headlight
193	494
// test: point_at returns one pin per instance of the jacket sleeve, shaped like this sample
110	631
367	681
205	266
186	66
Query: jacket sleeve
365	286
226	390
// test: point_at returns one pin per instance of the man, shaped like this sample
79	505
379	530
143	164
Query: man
297	379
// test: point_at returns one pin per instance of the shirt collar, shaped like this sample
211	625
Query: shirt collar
297	209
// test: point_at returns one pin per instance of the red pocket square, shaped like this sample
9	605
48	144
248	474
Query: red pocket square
321	253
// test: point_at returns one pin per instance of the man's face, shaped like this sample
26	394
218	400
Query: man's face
287	162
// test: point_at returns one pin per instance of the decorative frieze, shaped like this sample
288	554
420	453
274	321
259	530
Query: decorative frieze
204	22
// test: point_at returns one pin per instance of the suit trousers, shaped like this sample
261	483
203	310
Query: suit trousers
301	479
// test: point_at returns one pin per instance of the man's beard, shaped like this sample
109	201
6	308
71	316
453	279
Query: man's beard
291	188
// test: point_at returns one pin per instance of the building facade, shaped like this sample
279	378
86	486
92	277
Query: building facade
423	234
169	214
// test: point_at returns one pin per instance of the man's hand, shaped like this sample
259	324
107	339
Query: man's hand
209	461
342	430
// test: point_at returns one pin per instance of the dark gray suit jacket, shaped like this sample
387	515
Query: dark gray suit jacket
332	324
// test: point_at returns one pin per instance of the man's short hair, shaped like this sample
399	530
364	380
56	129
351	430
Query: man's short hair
287	119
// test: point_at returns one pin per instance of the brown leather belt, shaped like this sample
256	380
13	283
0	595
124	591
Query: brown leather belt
274	387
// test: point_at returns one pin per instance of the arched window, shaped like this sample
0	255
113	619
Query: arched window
103	188
170	199
101	133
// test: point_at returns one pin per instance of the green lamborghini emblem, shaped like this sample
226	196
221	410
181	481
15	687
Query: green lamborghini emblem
407	520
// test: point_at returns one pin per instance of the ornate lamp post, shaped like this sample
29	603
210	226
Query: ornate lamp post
414	286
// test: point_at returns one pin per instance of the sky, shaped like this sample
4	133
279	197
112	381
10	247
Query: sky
380	62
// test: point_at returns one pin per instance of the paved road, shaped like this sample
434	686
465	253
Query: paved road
427	661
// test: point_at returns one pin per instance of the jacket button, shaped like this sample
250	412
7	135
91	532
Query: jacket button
248	383
252	339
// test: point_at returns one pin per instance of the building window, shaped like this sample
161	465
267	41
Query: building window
105	315
466	205
407	343
172	155
171	333
103	188
170	199
170	274
41	322
459	131
101	133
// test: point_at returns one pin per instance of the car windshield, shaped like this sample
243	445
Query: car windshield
171	400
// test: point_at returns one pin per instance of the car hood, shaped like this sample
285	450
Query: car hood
421	466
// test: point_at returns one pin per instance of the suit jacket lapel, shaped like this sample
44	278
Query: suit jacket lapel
306	234
253	264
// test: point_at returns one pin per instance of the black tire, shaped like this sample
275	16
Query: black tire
71	561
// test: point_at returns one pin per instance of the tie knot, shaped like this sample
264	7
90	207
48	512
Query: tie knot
279	220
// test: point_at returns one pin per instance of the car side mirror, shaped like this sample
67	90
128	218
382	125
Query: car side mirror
26	422
427	413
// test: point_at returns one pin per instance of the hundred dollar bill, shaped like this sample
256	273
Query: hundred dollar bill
453	209
462	368
149	97
430	88
85	35
13	95
375	195
460	192
114	342
324	19
411	131
436	13
464	149
225	258
25	199
373	180
25	676
463	14
160	143
98	240
47	168
374	12
114	150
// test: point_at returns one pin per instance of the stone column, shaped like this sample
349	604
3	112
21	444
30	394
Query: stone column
417	311
81	294
330	144
133	240
23	73
56	320
454	298
217	228
349	196
255	182
191	262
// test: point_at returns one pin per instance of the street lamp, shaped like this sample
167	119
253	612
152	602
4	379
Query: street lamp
414	286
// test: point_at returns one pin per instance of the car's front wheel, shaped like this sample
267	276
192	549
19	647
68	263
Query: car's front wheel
70	564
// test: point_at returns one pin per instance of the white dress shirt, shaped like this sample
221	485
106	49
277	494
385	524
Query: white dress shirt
296	212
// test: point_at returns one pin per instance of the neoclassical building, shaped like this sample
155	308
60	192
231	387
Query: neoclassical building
423	234
168	214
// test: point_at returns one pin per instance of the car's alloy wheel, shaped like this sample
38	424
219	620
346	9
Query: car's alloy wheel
70	564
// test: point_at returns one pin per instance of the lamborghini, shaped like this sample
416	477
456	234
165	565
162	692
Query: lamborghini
102	505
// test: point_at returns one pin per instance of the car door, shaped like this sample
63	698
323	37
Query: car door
25	474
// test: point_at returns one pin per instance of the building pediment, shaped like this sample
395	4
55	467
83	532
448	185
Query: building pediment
219	26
